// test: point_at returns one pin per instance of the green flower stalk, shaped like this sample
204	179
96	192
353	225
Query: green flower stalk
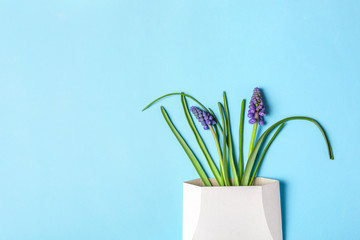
253	136
201	143
208	121
256	113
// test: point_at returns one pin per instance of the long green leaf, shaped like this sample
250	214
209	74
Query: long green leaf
264	152
187	149
252	158
216	119
170	94
224	156
241	140
186	95
230	144
201	143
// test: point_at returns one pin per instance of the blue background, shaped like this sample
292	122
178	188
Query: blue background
78	158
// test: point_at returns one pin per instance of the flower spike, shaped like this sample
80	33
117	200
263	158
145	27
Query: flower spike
205	118
256	108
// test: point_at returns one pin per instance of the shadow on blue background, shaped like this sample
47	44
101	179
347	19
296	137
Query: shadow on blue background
284	219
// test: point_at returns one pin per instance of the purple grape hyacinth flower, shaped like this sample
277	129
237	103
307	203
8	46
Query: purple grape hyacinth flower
256	108
205	118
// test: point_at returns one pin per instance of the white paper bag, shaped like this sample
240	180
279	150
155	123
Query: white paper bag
232	213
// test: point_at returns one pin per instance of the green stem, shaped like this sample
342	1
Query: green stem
218	148
253	136
201	143
216	132
217	121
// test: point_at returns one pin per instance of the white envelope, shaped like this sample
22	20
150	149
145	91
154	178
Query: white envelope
233	212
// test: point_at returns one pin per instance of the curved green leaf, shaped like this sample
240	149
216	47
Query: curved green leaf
252	158
264	152
170	94
187	149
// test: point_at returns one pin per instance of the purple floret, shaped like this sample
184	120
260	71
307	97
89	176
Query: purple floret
205	118
256	108
252	120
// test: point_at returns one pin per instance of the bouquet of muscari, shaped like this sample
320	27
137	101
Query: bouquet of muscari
221	133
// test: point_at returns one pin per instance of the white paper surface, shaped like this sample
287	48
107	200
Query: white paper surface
232	213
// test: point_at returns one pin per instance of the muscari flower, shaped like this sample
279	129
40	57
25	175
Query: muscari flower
256	108
205	118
